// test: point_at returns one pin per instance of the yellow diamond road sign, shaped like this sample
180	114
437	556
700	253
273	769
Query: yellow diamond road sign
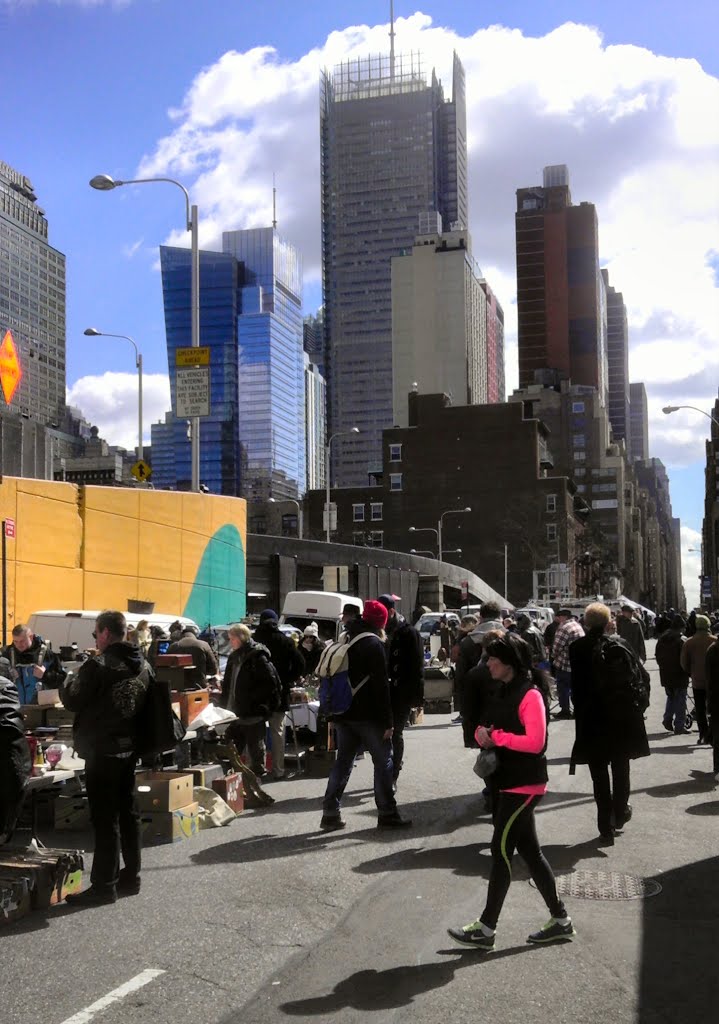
193	356
141	471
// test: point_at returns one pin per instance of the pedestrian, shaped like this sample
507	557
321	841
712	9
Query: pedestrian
203	657
466	625
107	696
251	689
470	647
290	664
15	766
33	664
533	636
673	677
630	629
311	648
569	630
350	613
712	677
609	727
549	634
366	724
405	664
519	738
143	636
693	661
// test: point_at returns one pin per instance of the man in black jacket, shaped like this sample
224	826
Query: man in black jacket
405	662
15	764
107	696
203	657
290	667
367	723
26	649
251	689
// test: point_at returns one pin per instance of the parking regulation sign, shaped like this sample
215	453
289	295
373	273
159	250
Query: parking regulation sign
192	391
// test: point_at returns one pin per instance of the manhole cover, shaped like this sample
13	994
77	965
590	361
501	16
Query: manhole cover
606	885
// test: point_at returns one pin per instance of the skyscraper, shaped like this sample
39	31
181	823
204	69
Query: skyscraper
617	363
496	387
252	444
315	424
639	421
32	300
392	149
561	297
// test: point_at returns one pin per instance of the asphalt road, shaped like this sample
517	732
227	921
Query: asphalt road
271	920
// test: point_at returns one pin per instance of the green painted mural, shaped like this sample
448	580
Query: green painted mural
219	592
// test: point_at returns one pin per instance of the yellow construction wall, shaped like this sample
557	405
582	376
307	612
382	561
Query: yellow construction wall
98	547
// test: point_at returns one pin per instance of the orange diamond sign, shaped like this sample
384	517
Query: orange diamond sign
10	370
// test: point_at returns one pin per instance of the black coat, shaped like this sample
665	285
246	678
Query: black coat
15	764
712	670
668	652
38	653
367	657
602	732
285	656
478	696
405	664
257	686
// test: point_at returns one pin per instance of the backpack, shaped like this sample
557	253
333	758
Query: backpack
335	690
157	726
622	678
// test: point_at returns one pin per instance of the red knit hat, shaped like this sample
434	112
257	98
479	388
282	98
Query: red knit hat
374	614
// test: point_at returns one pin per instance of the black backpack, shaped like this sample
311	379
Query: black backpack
157	726
622	679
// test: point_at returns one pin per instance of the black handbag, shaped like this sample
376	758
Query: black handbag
486	763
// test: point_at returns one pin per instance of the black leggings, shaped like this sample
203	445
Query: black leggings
515	829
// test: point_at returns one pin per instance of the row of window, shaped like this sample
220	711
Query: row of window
358	512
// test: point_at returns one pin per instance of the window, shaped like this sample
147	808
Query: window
376	538
580	456
375	511
580	471
258	525
578	440
551	531
551	503
289	524
395	481
577	406
605	503
358	513
395	453
359	539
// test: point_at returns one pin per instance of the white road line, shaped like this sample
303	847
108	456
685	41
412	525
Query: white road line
83	1016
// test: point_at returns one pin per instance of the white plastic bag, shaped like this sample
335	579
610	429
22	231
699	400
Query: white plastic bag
214	812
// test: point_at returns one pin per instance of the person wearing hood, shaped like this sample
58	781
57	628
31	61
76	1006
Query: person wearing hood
693	661
630	629
15	766
673	677
405	663
470	648
107	696
290	664
311	648
533	636
251	689
28	650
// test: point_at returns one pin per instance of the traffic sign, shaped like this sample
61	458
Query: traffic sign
9	528
141	471
192	392
464	589
199	356
10	369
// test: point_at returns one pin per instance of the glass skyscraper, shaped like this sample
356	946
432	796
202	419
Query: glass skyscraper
393	153
252	444
32	300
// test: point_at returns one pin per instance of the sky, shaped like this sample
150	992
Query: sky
224	95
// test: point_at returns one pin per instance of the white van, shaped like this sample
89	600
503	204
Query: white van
541	616
324	607
62	628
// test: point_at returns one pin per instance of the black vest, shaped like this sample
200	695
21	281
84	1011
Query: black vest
515	768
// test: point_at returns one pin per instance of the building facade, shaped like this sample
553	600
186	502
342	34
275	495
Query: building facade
710	526
32	300
496	386
316	425
639	421
392	149
617	364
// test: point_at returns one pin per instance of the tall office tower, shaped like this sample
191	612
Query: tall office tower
392	148
639	421
617	363
495	347
709	589
251	319
439	322
32	300
561	297
315	425
313	339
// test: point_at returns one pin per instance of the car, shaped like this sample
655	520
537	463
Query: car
428	623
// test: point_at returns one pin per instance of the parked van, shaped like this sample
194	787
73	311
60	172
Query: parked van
62	628
321	606
541	616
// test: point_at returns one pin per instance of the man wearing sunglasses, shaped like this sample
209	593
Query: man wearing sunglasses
107	696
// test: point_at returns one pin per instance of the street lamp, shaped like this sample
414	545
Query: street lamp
104	183
667	409
449	512
422	551
294	501
328	446
92	332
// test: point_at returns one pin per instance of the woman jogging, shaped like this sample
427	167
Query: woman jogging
519	737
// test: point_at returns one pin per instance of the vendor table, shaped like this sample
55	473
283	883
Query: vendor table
303	716
33	787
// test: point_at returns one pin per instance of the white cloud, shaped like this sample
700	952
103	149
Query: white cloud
691	541
109	401
639	132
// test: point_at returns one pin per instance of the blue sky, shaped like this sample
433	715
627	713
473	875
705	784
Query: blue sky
151	86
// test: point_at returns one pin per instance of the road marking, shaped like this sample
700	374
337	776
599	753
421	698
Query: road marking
83	1016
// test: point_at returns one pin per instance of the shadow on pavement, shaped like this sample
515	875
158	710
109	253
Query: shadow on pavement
710	808
372	990
679	953
687	787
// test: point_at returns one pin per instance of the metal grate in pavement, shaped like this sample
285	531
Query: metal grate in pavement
606	885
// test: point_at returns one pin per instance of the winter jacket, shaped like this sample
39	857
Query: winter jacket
631	631
311	655
405	663
38	653
107	695
711	666
668	653
478	696
470	649
367	658
203	658
251	685
534	638
285	656
603	731
15	764
693	657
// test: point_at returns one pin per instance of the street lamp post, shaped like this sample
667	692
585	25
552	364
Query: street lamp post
92	332
328	447
449	512
675	408
104	183
294	501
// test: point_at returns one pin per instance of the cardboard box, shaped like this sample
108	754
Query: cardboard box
170	827
72	814
51	875
191	704
15	898
34	716
229	787
206	774
416	716
159	792
173	661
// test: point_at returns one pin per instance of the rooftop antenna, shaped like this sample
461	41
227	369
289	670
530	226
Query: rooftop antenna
391	40
274	202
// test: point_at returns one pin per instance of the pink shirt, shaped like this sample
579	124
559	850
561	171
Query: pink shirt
533	717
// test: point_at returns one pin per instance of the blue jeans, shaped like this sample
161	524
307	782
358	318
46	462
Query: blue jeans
564	688
675	710
351	736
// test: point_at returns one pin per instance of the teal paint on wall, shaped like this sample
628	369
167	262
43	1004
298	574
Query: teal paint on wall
219	593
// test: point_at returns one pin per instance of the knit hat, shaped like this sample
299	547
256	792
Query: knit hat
702	623
374	614
312	629
269	615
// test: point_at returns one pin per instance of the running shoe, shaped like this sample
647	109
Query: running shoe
553	931
472	935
